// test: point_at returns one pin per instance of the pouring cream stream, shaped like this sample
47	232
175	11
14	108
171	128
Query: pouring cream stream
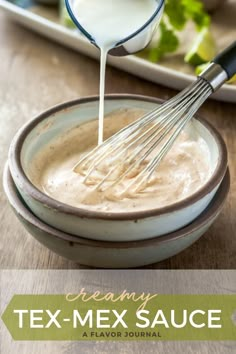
109	22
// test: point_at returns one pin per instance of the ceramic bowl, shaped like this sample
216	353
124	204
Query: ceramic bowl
104	225
114	254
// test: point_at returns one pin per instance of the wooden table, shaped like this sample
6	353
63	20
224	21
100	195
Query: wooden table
36	74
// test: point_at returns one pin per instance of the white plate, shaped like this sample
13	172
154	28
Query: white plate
132	64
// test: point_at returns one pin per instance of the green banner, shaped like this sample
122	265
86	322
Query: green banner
124	316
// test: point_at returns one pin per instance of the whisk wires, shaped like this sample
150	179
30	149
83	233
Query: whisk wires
155	132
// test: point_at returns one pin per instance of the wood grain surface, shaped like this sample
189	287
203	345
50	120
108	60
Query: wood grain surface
36	74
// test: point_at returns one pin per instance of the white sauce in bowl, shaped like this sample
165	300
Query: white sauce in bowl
185	169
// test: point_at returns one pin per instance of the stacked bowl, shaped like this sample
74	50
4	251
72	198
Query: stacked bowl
106	239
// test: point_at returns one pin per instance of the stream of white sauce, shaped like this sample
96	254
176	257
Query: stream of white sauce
108	22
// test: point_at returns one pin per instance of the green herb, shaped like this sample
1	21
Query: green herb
168	43
176	16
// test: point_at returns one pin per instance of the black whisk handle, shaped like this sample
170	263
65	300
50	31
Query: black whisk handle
227	60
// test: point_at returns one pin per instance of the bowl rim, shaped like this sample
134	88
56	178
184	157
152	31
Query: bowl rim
23	182
206	217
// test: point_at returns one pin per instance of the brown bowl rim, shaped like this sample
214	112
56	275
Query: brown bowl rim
25	184
23	211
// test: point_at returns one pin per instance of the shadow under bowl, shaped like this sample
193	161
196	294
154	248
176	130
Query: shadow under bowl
102	254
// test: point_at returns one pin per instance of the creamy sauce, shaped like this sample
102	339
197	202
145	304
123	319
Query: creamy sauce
108	22
182	172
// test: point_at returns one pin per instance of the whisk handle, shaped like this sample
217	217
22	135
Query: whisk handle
227	60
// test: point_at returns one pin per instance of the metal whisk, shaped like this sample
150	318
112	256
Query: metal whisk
129	149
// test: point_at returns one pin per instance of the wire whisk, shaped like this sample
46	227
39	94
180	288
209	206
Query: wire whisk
137	150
